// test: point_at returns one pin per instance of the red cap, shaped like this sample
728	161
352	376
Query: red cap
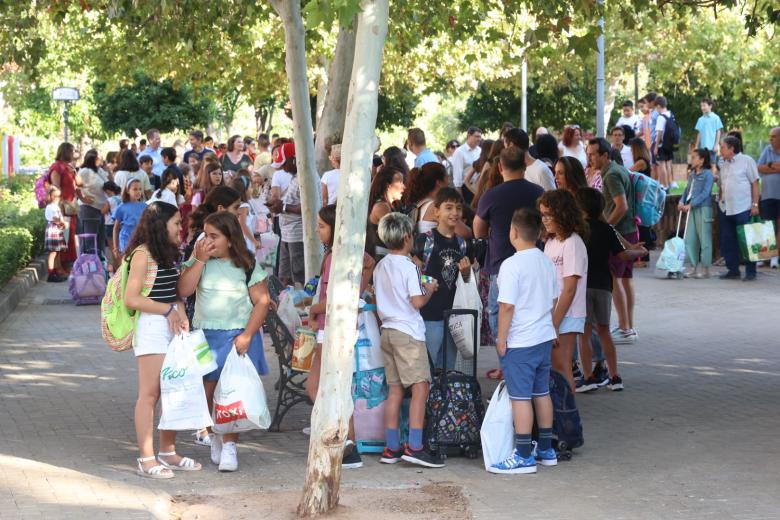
282	153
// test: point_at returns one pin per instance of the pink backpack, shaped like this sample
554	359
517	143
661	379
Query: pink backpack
87	281
41	187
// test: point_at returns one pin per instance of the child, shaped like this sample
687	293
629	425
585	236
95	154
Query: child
168	191
697	200
54	238
127	215
113	201
399	296
565	228
160	317
527	292
246	217
209	177
602	242
326	223
442	255
224	275
146	163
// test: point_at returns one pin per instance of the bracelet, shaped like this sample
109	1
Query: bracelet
170	310
198	260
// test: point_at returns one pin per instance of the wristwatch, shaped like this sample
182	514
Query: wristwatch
755	205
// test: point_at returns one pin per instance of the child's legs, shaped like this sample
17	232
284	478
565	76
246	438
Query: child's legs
52	260
434	337
523	417
313	381
610	354
704	232
149	367
395	396
543	408
586	354
492	305
417	406
561	356
619	300
692	237
627	287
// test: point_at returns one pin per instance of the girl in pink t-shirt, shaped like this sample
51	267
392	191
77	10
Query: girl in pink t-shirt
565	227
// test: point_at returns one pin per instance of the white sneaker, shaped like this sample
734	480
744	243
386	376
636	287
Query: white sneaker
229	457
202	438
216	448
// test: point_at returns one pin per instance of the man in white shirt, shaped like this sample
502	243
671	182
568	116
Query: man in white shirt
465	155
536	171
739	200
629	118
154	150
618	137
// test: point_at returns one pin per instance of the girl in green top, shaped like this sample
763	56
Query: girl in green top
231	306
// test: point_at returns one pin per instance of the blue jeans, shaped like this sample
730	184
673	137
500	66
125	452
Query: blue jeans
434	339
492	305
729	244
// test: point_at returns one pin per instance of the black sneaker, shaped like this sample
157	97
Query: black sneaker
422	457
729	276
55	278
749	278
351	458
391	456
601	374
588	385
615	384
576	372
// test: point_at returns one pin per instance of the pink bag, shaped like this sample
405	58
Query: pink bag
87	281
261	224
369	422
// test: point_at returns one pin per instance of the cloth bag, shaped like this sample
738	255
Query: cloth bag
757	240
182	396
462	327
498	432
239	399
195	340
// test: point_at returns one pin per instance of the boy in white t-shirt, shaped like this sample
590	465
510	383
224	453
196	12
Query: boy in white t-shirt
399	296
527	292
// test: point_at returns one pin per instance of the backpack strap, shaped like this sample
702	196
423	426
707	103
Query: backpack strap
427	250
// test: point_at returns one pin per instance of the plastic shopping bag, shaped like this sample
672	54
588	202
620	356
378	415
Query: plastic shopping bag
498	432
182	395
195	340
462	327
239	399
288	313
368	347
757	240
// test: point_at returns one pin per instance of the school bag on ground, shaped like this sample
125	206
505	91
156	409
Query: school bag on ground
649	199
182	396
672	259
117	322
454	410
87	280
567	425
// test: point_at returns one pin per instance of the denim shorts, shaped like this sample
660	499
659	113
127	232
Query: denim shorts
569	325
527	371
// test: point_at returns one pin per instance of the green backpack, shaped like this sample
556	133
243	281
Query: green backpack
117	322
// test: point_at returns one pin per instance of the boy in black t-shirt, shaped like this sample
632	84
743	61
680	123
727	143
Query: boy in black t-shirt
442	255
602	241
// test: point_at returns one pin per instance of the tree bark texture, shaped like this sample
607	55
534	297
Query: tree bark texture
295	61
333	406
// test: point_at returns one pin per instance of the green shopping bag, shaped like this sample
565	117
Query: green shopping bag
757	240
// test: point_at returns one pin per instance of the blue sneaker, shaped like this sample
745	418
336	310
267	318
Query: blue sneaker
515	464
545	457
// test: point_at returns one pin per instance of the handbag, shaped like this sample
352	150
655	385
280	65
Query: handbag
757	240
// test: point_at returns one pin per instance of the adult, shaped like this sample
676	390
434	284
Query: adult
491	176
449	149
124	144
494	218
465	155
263	156
235	158
129	170
415	143
571	144
640	156
619	212
384	197
664	154
708	128
475	170
651	129
536	170
196	147
617	137
569	175
394	157
250	147
629	118
423	186
154	150
110	163
769	168
330	179
62	175
547	150
91	177
169	161
739	200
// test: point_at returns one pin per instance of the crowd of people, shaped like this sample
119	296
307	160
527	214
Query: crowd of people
548	228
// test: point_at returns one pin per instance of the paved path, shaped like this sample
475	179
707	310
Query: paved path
693	436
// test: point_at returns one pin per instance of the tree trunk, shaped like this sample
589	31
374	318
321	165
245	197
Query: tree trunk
322	90
295	62
333	407
330	125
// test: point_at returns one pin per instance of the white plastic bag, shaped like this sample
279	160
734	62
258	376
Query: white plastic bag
182	396
288	313
462	327
239	399
368	346
498	432
195	340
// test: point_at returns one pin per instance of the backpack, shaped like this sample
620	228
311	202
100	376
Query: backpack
670	141
87	281
649	199
41	188
117	322
567	425
428	249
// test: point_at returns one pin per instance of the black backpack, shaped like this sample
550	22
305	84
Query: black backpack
670	141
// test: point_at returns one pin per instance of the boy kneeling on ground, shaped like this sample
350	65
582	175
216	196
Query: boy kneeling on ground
527	290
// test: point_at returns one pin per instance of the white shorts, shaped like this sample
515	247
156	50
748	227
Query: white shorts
152	335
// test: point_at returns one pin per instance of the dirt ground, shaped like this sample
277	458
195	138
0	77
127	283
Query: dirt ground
432	502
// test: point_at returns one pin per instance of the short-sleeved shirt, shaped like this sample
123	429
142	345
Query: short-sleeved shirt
770	184
53	212
570	258
223	301
331	179
243	162
128	214
539	173
291	224
200	154
527	280
602	242
281	180
92	186
632	122
737	176
708	127
113	202
442	265
425	157
496	207
396	280
616	180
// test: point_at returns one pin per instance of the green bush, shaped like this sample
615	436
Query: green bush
15	248
22	225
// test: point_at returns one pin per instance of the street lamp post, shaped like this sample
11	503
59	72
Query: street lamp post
67	95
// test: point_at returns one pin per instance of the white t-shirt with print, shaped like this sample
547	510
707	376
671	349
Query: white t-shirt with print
331	179
396	280
570	258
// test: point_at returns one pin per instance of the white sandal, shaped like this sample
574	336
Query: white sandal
159	471
185	464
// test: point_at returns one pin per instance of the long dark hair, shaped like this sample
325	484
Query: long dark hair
573	173
383	179
227	224
128	161
328	215
547	149
484	155
90	160
168	175
152	232
65	152
394	157
422	181
220	196
565	212
203	182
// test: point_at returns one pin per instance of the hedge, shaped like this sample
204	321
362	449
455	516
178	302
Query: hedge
22	226
15	251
